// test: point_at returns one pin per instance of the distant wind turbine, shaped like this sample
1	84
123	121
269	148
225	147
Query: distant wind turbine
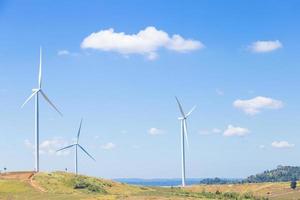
36	92
76	149
184	135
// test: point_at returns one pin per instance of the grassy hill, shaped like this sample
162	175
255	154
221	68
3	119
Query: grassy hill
65	186
280	174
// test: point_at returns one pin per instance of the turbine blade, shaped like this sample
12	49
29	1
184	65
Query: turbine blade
78	134
48	100
180	107
65	147
186	133
86	152
190	111
40	69
28	99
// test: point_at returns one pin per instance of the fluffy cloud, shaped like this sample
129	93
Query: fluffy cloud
265	46
282	144
108	146
255	105
155	131
65	52
50	146
145	42
235	131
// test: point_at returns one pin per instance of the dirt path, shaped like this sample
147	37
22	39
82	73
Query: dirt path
23	176
35	185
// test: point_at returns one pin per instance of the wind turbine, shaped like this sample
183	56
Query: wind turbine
36	92
76	149
184	136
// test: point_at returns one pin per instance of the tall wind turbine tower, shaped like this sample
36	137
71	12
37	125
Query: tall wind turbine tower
76	145
35	93
184	136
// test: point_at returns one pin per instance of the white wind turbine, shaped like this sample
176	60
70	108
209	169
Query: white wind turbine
184	135
36	92
76	149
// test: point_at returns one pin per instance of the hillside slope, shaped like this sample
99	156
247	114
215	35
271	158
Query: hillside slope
280	174
67	186
268	190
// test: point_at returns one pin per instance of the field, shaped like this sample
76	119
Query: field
65	186
273	191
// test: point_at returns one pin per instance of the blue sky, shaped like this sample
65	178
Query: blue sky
237	61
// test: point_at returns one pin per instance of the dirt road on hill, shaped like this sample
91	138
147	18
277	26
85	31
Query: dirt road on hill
26	176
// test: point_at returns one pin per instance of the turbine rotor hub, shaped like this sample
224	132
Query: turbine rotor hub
36	90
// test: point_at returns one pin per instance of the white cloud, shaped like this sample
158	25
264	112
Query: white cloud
255	105
50	146
146	42
265	46
235	131
155	131
65	52
282	144
179	44
216	130
209	132
108	146
28	144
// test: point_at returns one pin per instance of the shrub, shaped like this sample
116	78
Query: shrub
248	195
293	184
80	184
96	188
231	195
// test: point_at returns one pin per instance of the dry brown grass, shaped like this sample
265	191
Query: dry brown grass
58	186
279	190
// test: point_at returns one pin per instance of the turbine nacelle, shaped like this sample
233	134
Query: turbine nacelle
36	90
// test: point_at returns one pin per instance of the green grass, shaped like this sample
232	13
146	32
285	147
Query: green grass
15	189
67	186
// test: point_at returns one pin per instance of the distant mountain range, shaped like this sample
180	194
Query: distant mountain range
280	174
158	181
